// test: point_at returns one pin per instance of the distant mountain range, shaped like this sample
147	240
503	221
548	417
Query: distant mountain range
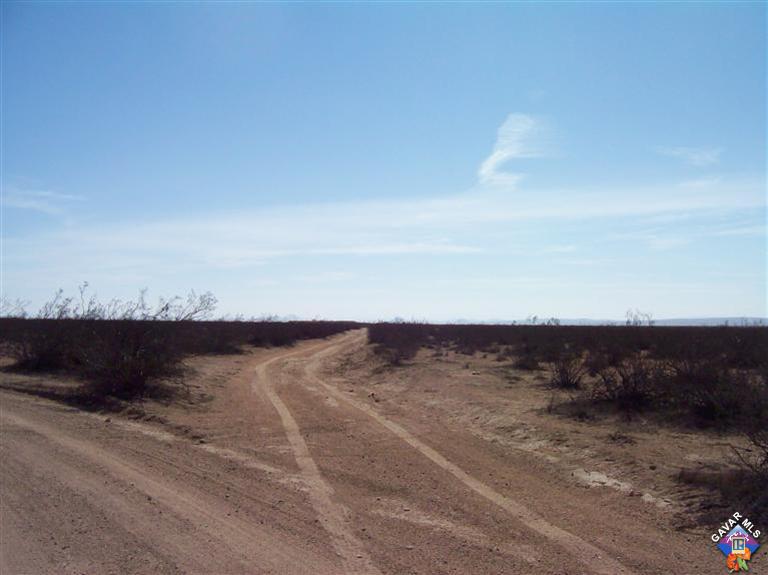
761	321
690	321
693	321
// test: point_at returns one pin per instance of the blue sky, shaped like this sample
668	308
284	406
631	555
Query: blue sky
369	161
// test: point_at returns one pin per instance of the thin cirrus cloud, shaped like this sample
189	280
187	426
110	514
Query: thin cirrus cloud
463	223
42	201
520	136
696	157
453	225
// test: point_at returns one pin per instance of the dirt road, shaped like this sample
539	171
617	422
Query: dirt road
297	471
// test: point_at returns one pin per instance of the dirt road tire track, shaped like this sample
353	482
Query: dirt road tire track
331	514
274	554
594	558
300	470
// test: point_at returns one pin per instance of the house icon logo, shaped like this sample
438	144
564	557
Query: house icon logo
738	546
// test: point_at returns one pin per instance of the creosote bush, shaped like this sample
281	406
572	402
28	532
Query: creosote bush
631	385
568	371
527	359
739	347
690	373
707	390
706	377
753	423
124	348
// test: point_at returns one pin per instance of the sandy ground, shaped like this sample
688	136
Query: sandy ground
313	459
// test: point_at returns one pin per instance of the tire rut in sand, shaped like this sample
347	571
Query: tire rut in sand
250	541
595	559
332	515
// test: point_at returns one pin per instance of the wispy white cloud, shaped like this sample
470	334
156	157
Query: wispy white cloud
657	239
748	230
43	201
671	236
452	225
327	277
401	248
520	136
697	157
459	224
565	249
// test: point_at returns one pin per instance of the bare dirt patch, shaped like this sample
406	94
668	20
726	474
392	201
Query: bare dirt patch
314	458
636	457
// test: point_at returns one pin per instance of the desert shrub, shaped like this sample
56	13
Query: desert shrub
505	354
567	372
50	348
46	349
631	385
123	358
527	362
397	343
397	354
705	389
117	347
602	355
739	347
752	422
527	358
747	486
598	362
120	349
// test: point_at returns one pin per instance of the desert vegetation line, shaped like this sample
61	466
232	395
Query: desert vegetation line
130	349
707	378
